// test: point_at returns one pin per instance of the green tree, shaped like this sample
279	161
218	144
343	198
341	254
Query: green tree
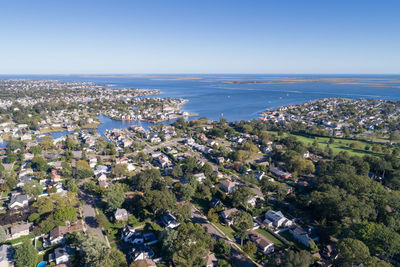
32	188
35	150
298	259
222	247
242	221
250	247
39	163
26	255
352	252
119	170
191	253
66	213
241	196
115	196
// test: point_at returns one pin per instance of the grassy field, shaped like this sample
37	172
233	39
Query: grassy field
270	237
339	145
226	229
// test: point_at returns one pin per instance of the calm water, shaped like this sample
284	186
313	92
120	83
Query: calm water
212	96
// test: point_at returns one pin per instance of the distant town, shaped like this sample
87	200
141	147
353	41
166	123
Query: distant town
315	184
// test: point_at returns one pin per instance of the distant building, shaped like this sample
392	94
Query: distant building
279	173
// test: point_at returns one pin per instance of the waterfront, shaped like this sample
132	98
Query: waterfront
211	96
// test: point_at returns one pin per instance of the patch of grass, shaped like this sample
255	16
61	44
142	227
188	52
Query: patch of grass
270	237
226	229
19	239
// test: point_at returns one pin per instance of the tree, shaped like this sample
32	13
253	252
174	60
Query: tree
242	221
46	142
65	214
3	235
32	188
207	170
39	163
26	255
82	164
94	251
241	196
298	259
222	247
102	220
250	247
115	196
119	170
177	171
159	201
191	253
35	150
352	252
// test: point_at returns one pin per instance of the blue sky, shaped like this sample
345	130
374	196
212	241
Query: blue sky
188	36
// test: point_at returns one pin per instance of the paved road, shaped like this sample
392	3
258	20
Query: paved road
238	258
89	216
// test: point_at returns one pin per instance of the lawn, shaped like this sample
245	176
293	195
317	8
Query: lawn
226	229
270	237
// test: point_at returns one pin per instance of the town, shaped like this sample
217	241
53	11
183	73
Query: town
360	118
192	192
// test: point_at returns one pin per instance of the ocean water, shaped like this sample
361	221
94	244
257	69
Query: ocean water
213	96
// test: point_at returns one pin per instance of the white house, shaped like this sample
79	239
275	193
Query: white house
277	219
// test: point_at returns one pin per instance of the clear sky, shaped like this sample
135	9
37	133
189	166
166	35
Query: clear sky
199	36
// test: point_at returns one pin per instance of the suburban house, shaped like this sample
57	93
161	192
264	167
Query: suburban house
145	263
200	177
280	174
228	186
6	256
23	180
211	260
121	215
259	175
262	242
19	230
131	235
18	201
306	237
141	252
277	219
56	236
61	255
169	220
226	215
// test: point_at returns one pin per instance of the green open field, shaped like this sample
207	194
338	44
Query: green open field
339	145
